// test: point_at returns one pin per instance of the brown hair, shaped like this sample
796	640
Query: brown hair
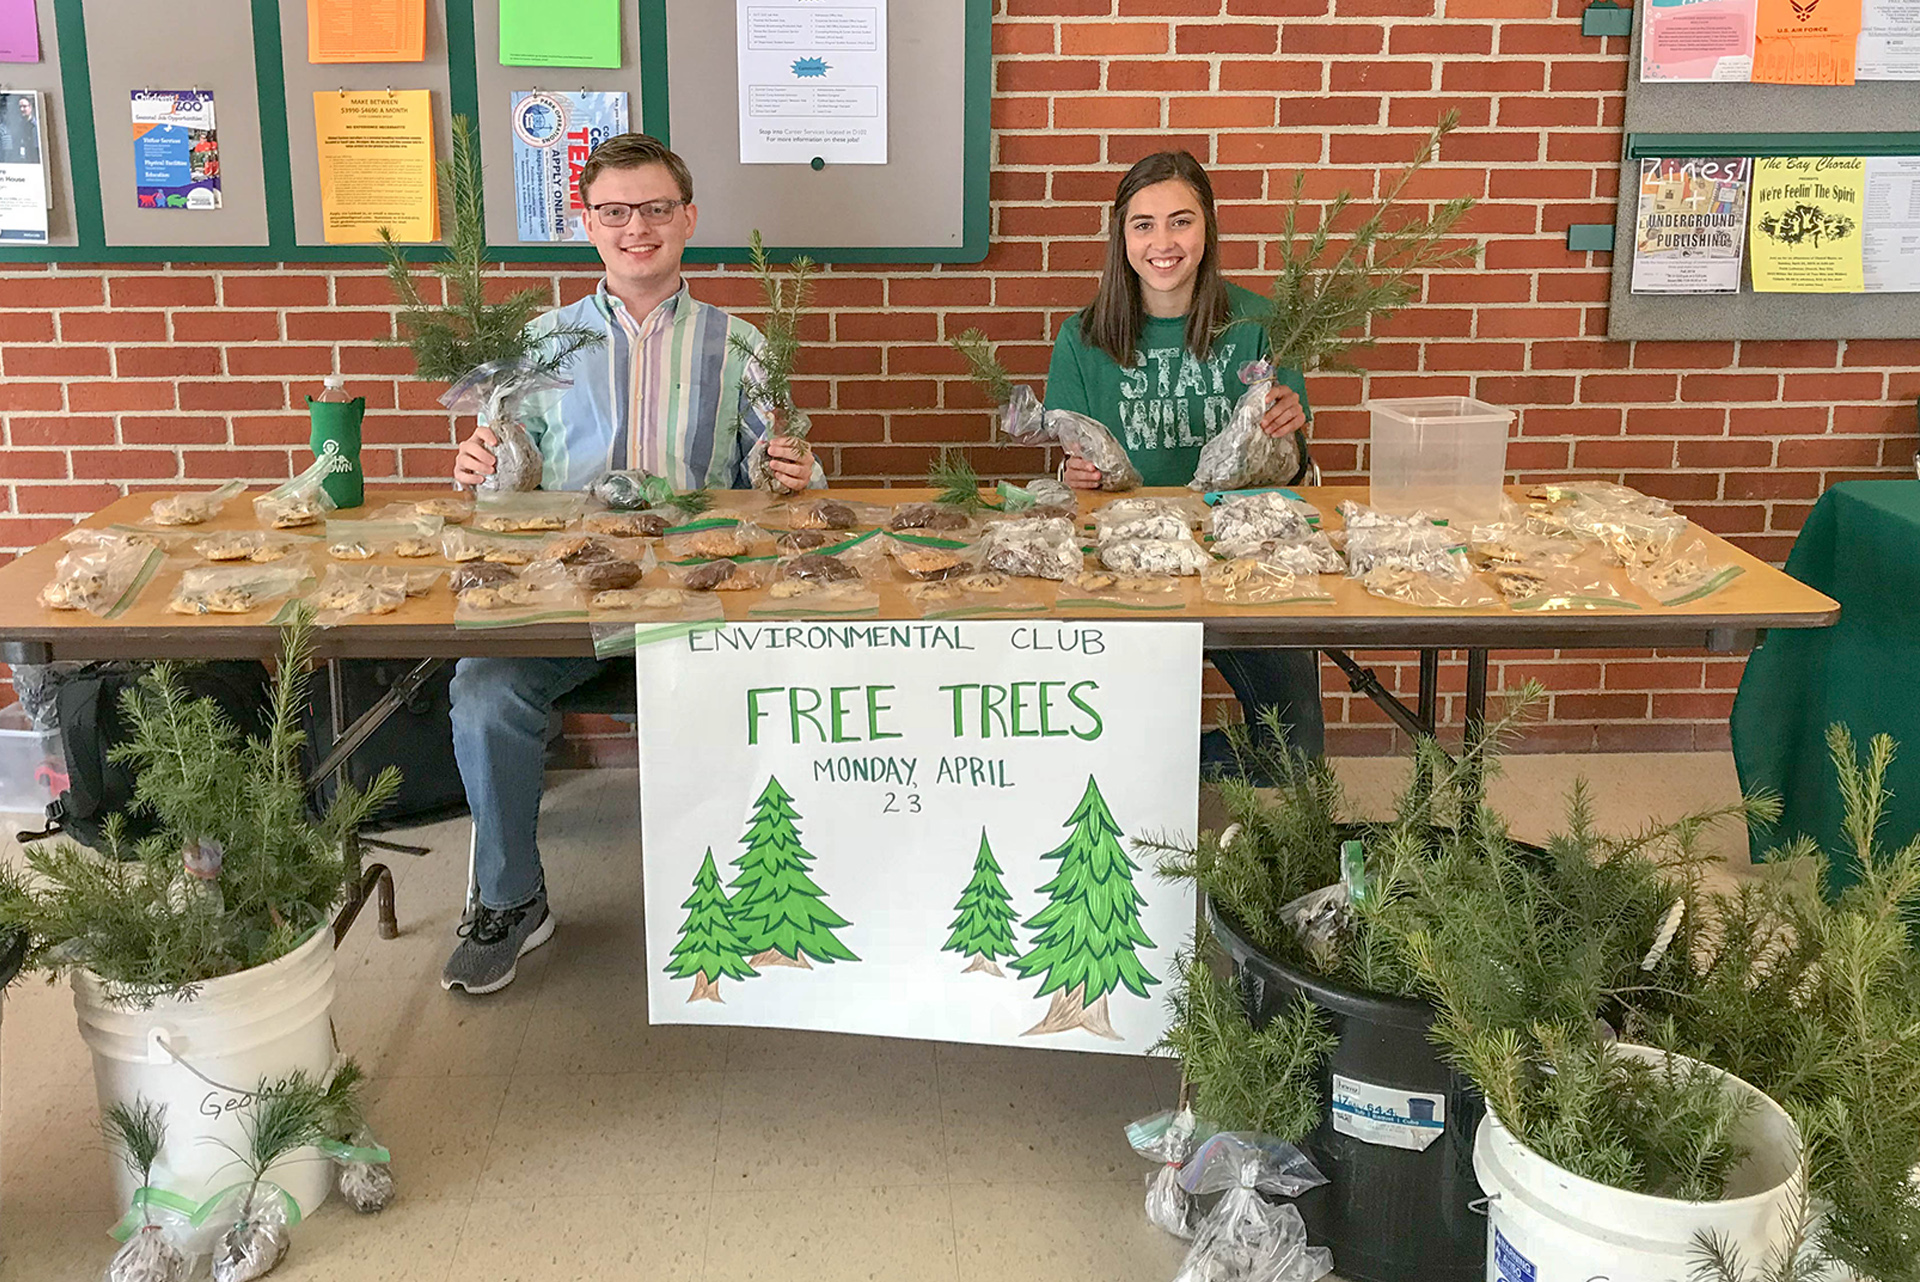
1114	320
633	151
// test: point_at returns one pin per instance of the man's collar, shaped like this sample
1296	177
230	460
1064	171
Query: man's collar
665	311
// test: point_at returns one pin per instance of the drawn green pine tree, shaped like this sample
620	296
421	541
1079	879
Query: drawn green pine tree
710	946
984	928
1090	927
782	917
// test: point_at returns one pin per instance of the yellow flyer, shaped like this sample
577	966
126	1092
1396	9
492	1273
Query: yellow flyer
1807	216
376	165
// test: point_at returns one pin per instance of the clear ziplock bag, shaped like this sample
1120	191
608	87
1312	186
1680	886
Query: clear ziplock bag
824	514
303	500
1262	580
157	1240
622	621
714	537
922	558
627	525
1089	439
1684	574
193	509
1033	547
932	518
103	579
528	600
1242	455
1125	519
788	542
355	591
461	544
800	599
597	565
453	509
1148	558
1259	518
258	546
1245	1238
1042	497
630	491
258	1238
363	1172
495	392
723	574
1451	589
759	472
237	589
1558	588
365	540
1167	1138
1022	419
978	594
542	511
1314	554
1110	590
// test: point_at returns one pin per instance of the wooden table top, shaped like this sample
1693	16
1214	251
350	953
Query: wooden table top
1727	620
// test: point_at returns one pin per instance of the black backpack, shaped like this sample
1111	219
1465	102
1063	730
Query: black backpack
91	724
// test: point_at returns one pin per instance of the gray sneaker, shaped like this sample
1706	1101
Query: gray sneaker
493	943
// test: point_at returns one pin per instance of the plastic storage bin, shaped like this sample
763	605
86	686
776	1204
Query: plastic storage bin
1444	454
33	764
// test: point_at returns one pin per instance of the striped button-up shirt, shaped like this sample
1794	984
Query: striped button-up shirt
663	393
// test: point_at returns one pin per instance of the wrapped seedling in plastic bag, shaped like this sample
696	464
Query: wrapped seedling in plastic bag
978	594
1246	1238
720	536
1023	421
1268	516
768	384
259	1237
1167	1138
538	511
1089	439
1149	558
497	393
302	501
1111	590
1683	574
1242	454
721	575
237	589
630	491
1258	579
193	509
152	1234
1144	518
258	546
1042	497
103	579
365	540
1033	547
363	1172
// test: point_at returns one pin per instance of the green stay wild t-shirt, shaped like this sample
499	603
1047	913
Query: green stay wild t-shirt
1169	404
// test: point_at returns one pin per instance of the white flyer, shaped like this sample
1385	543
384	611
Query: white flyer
1889	47
1387	1116
24	194
813	82
1891	237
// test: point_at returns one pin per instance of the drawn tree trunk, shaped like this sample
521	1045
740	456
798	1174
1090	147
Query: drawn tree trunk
710	947
1089	932
782	916
983	930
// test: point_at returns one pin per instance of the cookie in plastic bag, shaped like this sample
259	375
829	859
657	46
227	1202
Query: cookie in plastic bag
1034	547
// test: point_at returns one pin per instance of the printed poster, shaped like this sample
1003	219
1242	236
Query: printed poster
553	134
1690	226
1891	247
919	829
19	31
176	152
1697	40
1889	46
24	193
1806	224
366	31
376	165
813	82
1805	42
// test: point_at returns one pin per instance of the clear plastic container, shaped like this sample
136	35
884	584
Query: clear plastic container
33	764
1443	454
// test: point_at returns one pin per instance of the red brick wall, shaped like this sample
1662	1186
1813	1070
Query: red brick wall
158	375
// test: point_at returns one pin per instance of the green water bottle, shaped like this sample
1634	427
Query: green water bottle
336	430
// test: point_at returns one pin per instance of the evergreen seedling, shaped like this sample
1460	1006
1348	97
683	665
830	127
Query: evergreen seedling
1088	934
956	483
451	340
983	366
781	915
983	930
710	948
771	364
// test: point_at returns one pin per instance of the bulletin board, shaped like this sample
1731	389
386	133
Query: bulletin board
1879	117
929	203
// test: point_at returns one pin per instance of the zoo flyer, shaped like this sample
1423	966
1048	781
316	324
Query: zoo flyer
553	134
1806	224
919	829
176	153
1690	225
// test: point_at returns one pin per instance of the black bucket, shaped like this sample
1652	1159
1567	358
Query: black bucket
1388	1214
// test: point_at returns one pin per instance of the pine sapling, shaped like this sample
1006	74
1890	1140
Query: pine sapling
983	367
956	483
285	1116
768	385
138	1131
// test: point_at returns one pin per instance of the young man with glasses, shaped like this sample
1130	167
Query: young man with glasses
663	393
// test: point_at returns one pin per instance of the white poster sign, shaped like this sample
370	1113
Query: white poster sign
813	82
919	829
24	188
1890	240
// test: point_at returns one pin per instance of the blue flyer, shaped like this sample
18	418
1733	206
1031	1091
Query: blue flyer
553	134
176	153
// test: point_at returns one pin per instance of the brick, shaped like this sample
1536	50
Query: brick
1830	451
161	291
124	464
1227	37
1529	322
1050	220
1379	77
1684	356
47	293
1057	8
1532	389
26	327
1773	485
1724	454
1028	76
1102	39
1049	149
1703	706
1299	113
33	465
1616	454
1882	351
112	327
1834	387
1342	38
1883	420
1281	75
1777	421
234	395
226	327
55	362
1221	111
1160	74
1578	422
274	290
1546	113
335	325
171	361
173	429
1497	77
1766	354
1450	38
1023	37
105	397
1655	389
66	429
1729	387
1600	707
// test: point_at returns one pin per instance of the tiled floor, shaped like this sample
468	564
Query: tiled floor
550	1133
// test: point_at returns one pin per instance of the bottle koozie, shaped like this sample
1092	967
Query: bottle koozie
336	430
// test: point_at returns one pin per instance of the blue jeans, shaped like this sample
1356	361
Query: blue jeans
500	712
1285	679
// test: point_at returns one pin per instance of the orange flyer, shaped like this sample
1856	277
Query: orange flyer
1805	42
367	30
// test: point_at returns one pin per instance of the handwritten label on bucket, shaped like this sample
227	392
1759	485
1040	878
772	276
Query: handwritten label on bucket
1386	1116
1508	1264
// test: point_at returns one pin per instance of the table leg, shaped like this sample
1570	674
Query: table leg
1363	681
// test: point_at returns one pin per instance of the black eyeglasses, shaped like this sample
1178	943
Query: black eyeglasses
655	213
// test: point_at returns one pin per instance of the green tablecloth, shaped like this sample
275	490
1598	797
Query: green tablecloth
1860	546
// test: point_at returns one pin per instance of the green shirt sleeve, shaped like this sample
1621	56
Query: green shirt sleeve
1066	384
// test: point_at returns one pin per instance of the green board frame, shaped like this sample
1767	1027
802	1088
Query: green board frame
76	93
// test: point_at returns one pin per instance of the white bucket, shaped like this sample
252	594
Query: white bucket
1545	1224
234	1030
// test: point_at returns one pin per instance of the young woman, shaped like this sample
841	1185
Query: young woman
1156	358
